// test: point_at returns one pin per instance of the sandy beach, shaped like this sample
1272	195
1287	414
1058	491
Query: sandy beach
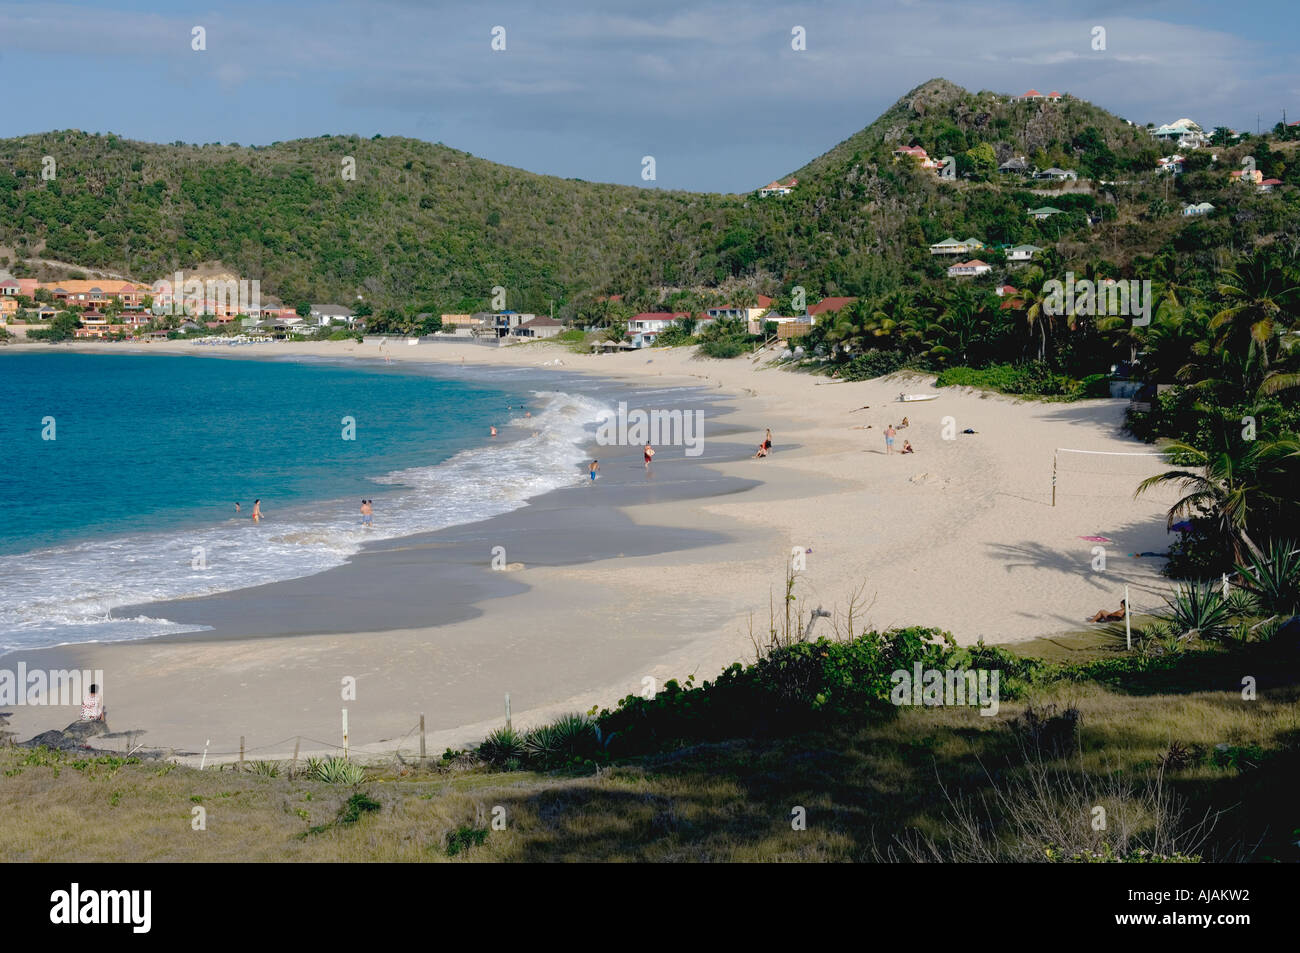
960	535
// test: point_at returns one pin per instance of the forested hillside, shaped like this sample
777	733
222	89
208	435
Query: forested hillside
423	225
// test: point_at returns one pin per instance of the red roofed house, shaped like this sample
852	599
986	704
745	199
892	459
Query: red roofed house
916	152
776	188
969	269
1027	97
10	288
828	306
1268	185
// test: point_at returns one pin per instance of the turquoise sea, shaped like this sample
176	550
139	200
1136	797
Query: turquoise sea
133	499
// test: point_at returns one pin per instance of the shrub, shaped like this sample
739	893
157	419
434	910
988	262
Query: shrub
1274	578
1198	611
503	746
1032	380
335	771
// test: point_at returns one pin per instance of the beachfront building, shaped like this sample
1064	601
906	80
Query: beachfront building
1200	208
644	328
1022	253
460	325
539	327
951	246
1047	211
324	314
776	188
499	323
969	269
746	313
827	306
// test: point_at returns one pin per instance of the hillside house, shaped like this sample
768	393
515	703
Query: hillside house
1016	165
1200	208
776	188
1057	175
1268	185
969	269
1021	253
1047	211
917	153
1251	176
828	306
951	246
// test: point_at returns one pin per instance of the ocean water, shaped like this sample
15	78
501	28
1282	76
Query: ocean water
133	499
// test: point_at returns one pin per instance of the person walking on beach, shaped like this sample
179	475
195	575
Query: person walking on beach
591	470
890	434
257	511
649	452
767	441
367	513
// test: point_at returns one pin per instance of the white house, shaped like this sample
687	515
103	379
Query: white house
776	188
1057	175
951	246
1188	134
1047	211
1201	208
323	314
969	269
643	328
1022	252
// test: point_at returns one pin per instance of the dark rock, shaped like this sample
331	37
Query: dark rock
70	738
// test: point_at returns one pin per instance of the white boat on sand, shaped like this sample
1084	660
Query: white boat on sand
912	397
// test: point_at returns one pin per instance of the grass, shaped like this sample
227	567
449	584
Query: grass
893	785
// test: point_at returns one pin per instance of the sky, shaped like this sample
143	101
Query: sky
715	92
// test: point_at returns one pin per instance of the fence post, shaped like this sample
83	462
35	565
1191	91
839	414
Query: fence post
241	752
345	734
422	739
507	710
293	765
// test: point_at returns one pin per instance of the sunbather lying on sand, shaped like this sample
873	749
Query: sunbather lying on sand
1104	616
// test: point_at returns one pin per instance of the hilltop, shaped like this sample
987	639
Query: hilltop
424	224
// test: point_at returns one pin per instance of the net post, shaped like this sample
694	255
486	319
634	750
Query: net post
1053	477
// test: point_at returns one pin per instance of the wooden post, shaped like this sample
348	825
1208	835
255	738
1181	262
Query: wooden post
1128	620
1053	477
345	734
293	765
507	709
422	756
241	752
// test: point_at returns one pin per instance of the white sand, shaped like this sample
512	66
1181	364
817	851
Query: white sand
960	535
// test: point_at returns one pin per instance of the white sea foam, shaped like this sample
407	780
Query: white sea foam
66	593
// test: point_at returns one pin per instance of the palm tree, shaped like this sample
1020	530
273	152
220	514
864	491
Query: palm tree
1261	296
1221	486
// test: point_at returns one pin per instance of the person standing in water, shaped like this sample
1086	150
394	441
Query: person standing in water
257	511
367	513
236	507
649	452
591	470
494	431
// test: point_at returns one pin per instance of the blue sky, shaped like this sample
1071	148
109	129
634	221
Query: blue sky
585	88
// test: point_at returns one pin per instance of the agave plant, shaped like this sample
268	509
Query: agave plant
1273	577
502	746
266	769
335	771
1199	611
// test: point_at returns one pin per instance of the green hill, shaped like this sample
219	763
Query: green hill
426	225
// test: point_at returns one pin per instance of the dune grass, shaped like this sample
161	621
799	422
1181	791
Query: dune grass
1175	758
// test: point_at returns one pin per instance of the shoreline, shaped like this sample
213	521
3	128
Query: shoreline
934	542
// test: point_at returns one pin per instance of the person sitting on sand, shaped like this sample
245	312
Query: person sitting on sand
907	447
761	451
1104	616
903	424
92	706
